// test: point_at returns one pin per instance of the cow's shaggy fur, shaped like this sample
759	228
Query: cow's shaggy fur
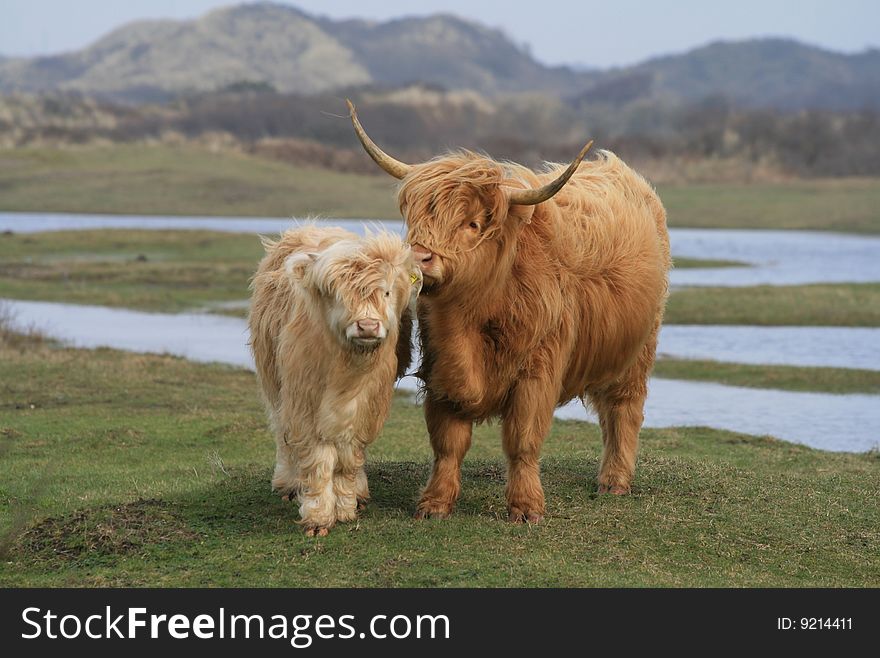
327	389
527	307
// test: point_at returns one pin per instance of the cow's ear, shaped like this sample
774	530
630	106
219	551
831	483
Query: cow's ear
522	214
298	265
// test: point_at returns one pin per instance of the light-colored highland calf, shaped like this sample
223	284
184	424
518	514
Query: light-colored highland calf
539	288
330	325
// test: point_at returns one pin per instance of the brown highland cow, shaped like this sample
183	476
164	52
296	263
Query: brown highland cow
538	288
330	331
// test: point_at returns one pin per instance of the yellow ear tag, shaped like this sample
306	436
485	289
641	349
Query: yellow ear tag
413	278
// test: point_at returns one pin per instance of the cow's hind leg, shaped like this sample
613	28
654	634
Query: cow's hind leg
620	417
450	440
525	426
620	407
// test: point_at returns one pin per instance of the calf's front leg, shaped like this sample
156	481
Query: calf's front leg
317	497
285	479
349	481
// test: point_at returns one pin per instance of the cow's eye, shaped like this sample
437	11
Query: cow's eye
474	225
388	293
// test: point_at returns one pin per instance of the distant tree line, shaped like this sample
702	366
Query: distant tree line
416	123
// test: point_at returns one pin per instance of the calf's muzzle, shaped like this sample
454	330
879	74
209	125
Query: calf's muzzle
368	328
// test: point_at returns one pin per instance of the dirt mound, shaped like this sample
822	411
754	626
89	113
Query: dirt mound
117	530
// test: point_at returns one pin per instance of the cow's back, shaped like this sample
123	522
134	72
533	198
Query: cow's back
607	212
608	231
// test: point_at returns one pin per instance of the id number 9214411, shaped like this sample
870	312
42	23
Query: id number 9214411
814	623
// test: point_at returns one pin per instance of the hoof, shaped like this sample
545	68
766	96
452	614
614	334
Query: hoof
317	531
615	489
362	504
433	512
516	515
287	497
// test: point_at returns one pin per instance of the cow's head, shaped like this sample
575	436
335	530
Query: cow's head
360	287
461	211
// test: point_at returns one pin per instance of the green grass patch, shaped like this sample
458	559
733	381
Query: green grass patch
148	270
130	470
686	263
185	180
839	305
787	378
839	204
188	180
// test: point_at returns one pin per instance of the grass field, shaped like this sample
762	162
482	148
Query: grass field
686	263
148	270
843	204
839	305
165	180
158	179
786	378
121	469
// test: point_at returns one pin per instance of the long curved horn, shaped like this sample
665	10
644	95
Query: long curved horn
541	194
394	167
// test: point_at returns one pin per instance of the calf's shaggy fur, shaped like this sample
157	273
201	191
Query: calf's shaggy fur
330	326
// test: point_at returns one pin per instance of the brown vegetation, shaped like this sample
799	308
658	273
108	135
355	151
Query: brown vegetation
704	142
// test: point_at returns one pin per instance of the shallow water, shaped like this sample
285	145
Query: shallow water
776	257
41	222
197	336
837	347
829	422
844	423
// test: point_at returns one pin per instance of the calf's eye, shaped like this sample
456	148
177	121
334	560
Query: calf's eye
388	293
474	225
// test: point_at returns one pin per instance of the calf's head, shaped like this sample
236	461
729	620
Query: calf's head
461	212
360	288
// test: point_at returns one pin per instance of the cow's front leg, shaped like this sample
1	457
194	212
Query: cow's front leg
525	425
317	498
349	481
450	440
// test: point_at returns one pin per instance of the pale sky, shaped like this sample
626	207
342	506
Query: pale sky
601	34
